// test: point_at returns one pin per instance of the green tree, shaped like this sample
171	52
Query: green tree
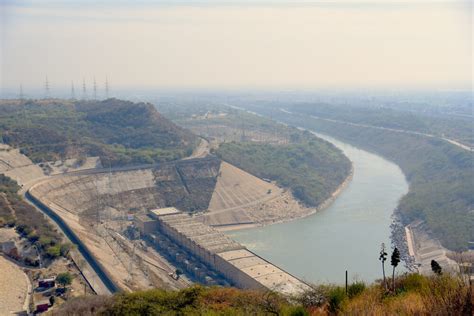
64	279
395	260
65	249
54	251
383	258
436	268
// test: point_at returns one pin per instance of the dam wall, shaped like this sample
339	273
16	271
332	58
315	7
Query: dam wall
236	263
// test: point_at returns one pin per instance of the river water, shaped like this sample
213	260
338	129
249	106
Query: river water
346	235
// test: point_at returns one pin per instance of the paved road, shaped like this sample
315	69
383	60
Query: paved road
130	168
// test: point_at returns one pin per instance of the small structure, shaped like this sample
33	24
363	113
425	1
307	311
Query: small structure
157	213
145	224
42	307
47	283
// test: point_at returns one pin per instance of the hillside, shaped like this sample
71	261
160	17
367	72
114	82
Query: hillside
120	132
311	169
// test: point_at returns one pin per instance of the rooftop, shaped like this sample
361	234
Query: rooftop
164	211
264	272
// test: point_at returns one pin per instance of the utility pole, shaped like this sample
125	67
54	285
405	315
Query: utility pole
346	282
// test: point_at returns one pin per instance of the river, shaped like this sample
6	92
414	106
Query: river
346	235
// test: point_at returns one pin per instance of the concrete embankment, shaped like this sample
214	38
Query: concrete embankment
101	285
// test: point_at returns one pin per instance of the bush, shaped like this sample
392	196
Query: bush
65	249
412	282
336	298
53	251
355	289
64	278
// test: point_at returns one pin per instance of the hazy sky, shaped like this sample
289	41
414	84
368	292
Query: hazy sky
239	44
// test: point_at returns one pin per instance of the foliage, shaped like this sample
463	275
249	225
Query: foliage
336	298
355	289
419	295
64	278
394	261
312	169
120	132
28	221
8	186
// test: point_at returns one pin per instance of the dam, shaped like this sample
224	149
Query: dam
240	266
108	210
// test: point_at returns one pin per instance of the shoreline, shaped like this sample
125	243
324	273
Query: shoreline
308	211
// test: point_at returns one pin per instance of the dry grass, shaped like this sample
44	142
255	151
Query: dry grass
414	295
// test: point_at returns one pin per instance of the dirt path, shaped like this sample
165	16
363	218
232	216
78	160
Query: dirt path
201	151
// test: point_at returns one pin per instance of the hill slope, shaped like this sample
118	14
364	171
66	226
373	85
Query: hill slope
120	132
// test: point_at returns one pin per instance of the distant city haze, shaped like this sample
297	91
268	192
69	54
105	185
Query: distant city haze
351	44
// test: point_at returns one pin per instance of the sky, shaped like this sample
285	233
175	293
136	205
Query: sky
237	44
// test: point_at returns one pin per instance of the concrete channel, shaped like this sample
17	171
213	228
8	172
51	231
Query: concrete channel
99	270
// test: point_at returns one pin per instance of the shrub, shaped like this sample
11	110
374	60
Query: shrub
296	311
355	289
412	282
53	251
65	249
336	298
64	278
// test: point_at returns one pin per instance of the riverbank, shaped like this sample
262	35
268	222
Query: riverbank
348	232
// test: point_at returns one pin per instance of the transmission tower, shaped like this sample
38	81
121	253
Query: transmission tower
106	88
95	89
46	88
22	96
84	90
73	92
